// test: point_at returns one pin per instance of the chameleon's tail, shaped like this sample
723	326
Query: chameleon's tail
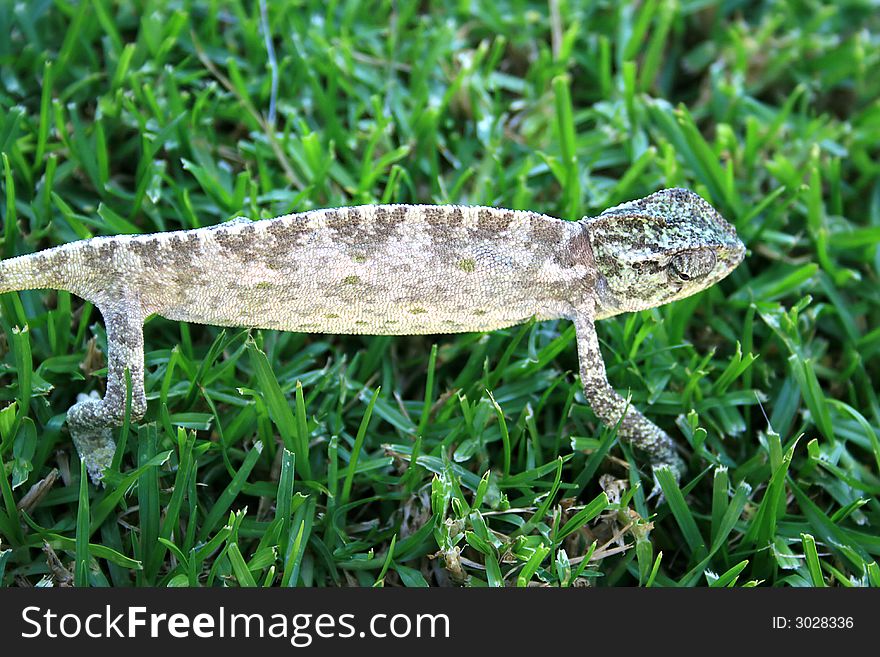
34	271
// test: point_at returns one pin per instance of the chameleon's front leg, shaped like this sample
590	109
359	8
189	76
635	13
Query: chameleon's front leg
91	420
610	406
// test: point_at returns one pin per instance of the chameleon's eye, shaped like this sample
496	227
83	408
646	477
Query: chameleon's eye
690	265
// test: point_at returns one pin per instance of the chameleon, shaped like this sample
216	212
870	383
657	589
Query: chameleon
389	270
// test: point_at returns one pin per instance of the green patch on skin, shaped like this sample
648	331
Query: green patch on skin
360	259
417	311
467	264
263	286
361	322
479	312
351	280
331	316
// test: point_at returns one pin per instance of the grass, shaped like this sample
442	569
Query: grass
271	459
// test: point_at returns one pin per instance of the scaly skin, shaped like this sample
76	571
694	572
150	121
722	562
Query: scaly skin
389	270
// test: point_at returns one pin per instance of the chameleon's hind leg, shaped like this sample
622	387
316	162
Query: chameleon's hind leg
91	420
610	406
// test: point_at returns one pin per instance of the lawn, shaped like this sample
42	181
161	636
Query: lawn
282	459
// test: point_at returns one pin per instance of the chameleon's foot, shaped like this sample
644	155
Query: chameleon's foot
661	451
92	419
91	435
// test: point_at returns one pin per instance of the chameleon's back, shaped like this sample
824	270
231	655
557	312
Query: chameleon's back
393	269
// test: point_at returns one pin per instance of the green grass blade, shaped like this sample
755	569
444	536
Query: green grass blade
81	561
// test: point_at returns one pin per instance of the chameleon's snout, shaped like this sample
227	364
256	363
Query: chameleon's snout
732	250
738	253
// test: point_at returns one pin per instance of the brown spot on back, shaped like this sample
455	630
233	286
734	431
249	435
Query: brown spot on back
381	219
236	243
108	249
354	216
545	230
437	216
147	249
386	220
287	231
334	220
346	222
181	251
491	223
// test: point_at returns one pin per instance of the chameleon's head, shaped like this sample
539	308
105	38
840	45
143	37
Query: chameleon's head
658	249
